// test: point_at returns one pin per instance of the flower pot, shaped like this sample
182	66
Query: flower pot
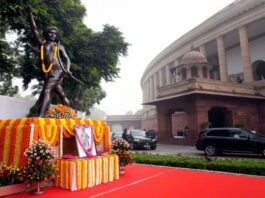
121	170
38	190
12	189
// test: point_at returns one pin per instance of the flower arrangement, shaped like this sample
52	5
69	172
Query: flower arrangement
39	167
61	111
120	147
9	175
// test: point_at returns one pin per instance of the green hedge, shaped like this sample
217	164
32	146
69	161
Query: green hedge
252	167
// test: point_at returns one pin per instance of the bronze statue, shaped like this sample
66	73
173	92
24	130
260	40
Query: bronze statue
52	65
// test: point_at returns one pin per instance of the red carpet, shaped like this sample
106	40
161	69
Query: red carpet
150	181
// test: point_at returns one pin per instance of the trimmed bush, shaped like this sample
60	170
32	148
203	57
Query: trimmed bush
252	167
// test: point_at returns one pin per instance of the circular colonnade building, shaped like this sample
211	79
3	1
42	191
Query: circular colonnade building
214	74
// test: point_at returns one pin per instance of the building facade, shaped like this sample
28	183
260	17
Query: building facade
120	122
214	74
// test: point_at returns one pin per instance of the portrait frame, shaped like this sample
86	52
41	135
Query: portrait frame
85	142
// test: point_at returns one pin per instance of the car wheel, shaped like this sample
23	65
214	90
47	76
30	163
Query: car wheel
153	147
210	150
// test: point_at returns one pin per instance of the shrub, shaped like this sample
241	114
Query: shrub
253	167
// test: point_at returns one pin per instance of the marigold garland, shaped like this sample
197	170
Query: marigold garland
24	145
42	57
61	111
12	145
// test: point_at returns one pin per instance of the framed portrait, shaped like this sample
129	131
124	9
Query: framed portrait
85	142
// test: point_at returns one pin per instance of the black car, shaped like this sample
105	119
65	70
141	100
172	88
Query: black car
115	135
142	139
214	141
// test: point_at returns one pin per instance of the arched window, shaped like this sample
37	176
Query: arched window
194	71
259	70
183	74
204	71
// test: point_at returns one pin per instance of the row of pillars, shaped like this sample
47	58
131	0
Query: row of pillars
163	76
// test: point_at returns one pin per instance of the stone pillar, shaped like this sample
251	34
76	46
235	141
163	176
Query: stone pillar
155	84
160	77
188	72
197	113
148	90
200	72
145	92
222	59
164	128
203	50
167	75
247	67
177	76
151	87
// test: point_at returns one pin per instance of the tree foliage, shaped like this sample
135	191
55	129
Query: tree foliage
94	55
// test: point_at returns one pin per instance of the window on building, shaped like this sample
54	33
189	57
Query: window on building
194	71
183	74
204	71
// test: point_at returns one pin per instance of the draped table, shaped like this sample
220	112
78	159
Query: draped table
77	174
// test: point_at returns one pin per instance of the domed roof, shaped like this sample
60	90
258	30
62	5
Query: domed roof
193	57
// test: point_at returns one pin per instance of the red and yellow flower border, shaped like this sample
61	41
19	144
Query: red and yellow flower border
15	135
87	172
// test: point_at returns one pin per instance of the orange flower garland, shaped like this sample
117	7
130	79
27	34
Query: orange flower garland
61	111
98	131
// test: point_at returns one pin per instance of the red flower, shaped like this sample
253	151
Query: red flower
33	183
51	177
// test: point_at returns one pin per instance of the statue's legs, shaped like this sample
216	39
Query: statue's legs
59	90
45	102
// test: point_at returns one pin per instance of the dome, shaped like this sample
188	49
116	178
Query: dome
193	57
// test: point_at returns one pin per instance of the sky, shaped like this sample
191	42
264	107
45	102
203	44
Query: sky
149	26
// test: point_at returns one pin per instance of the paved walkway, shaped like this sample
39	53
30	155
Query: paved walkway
173	150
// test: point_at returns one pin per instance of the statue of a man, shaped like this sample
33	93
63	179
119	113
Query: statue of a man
51	65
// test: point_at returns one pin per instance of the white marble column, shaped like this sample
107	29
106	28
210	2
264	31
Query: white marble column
168	75
148	90
247	67
155	84
200	72
144	92
222	59
151	87
188	72
160	73
203	50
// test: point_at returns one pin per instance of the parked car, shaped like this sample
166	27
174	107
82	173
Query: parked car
142	139
214	141
116	134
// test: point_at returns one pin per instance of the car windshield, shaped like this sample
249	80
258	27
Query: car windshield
250	134
138	133
117	133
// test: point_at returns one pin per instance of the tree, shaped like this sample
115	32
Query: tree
8	68
94	55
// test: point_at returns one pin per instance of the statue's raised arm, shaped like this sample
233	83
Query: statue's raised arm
33	24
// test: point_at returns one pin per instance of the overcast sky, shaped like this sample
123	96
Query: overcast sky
149	26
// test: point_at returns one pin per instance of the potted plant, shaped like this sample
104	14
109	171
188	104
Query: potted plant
206	125
39	167
10	182
120	147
